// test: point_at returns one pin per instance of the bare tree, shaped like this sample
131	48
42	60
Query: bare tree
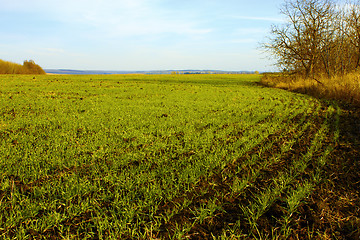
301	45
351	29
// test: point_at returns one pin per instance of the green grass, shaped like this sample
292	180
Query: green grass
157	156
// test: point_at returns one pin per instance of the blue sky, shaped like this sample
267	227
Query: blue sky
138	34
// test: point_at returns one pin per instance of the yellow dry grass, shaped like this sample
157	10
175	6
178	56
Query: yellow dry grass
29	67
343	88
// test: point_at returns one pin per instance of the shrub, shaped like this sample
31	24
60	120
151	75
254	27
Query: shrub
29	67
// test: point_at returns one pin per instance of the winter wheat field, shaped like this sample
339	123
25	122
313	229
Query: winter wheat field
161	157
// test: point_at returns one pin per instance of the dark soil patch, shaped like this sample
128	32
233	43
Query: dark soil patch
333	209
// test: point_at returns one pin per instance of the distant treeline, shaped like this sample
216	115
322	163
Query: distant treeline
28	67
100	72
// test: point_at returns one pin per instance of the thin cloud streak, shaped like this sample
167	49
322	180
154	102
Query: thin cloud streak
265	19
128	18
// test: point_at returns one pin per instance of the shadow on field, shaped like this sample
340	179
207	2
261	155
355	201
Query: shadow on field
332	211
334	207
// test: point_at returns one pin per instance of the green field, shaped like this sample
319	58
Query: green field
158	157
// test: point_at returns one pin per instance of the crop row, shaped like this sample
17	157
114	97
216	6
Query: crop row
157	157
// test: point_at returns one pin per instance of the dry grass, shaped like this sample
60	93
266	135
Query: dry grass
343	88
29	67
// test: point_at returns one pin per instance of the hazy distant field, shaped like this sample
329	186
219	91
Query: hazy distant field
157	156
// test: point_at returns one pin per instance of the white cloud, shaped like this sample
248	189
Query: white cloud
50	52
114	17
266	19
142	19
54	50
250	31
243	40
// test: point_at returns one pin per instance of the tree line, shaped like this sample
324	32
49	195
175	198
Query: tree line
28	67
318	38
